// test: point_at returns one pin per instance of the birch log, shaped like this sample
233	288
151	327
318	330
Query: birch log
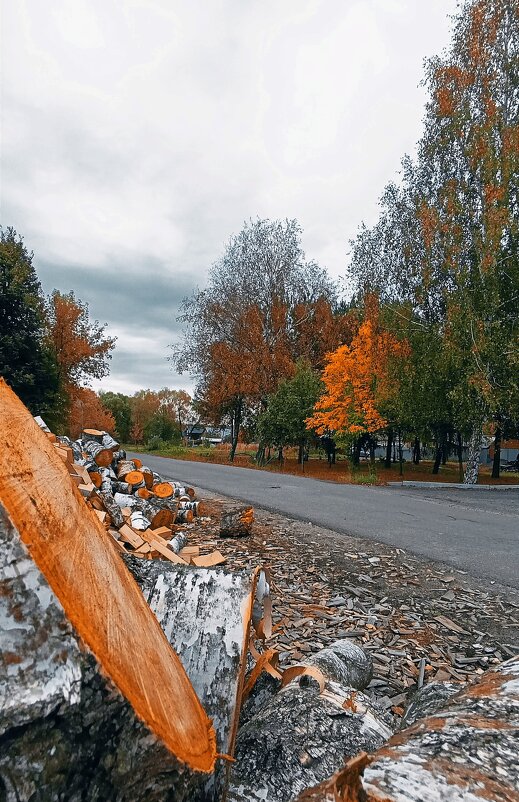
206	615
112	508
465	752
85	713
305	732
102	456
236	522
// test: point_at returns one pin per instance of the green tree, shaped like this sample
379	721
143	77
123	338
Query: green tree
119	406
283	423
26	363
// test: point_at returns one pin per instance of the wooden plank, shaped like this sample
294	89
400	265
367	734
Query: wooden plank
167	553
127	534
209	560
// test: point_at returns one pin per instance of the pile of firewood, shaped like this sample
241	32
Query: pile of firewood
144	513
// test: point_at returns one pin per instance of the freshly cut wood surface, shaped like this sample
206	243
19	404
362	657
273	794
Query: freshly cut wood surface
72	551
163	490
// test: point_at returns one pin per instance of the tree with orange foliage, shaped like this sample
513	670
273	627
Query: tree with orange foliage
88	412
81	348
360	380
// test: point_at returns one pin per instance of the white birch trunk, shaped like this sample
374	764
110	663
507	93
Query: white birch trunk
473	457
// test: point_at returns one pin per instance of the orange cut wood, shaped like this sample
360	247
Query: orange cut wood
163	490
100	598
95	478
143	492
137	462
134	478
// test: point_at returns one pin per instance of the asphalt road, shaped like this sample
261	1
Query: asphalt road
475	531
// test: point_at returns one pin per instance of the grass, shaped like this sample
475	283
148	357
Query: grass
318	468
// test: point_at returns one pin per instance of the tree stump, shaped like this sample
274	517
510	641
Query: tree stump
86	714
236	522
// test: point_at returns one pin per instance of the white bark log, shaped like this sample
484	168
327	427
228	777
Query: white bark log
206	616
464	752
77	682
304	732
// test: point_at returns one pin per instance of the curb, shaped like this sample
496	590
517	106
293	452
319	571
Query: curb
451	486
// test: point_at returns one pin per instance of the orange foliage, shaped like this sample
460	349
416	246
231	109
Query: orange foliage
81	348
87	412
254	361
144	404
359	379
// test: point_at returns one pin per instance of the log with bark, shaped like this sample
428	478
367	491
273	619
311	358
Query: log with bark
307	729
86	712
112	508
102	456
466	751
206	615
237	521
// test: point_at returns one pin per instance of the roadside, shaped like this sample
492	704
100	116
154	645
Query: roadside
407	612
317	467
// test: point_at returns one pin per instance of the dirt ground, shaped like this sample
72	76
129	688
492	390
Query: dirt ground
409	613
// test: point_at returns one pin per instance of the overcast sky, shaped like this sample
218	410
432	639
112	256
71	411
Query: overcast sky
138	135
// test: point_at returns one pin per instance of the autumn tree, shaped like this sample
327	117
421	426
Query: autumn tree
445	245
144	405
360	380
177	404
81	346
241	331
26	362
87	411
119	406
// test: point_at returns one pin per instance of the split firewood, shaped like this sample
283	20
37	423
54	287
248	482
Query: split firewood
184	516
77	684
202	614
236	522
147	476
112	508
306	728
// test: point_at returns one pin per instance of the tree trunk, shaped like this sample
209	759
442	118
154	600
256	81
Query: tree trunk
460	456
389	446
438	457
206	616
86	714
400	455
465	751
496	466
416	451
236	422
473	457
356	451
305	730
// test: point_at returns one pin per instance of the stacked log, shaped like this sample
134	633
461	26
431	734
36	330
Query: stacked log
131	494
